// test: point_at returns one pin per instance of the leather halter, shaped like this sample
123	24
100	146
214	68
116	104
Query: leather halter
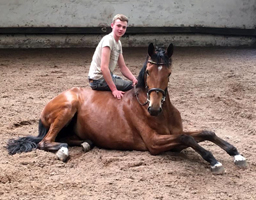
157	90
155	63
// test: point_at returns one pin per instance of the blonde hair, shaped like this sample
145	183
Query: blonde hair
121	17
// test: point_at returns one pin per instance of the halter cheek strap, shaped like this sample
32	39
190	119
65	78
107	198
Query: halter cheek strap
137	97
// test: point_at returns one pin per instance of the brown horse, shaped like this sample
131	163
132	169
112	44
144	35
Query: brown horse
144	120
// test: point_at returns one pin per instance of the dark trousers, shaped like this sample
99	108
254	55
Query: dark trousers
120	83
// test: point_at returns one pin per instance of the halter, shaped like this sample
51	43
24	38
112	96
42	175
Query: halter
157	90
148	95
155	63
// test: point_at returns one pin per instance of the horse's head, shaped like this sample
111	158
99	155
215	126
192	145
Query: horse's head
154	77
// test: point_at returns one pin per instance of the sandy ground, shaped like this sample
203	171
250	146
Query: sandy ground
215	89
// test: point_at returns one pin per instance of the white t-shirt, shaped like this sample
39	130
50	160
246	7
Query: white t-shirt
115	48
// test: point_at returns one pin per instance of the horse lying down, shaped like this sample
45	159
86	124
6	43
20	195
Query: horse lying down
144	120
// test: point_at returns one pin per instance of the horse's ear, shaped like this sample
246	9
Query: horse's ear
151	49
169	51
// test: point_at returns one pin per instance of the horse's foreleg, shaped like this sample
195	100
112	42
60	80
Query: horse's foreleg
189	141
200	136
162	143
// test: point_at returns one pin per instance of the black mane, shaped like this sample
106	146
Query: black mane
141	81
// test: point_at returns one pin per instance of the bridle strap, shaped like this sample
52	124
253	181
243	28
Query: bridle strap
148	93
156	90
156	63
137	97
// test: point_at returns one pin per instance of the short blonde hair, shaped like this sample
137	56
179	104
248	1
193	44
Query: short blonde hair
121	17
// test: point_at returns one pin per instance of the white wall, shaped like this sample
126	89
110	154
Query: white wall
95	13
88	13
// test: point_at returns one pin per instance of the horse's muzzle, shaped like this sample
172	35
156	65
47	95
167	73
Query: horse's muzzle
154	112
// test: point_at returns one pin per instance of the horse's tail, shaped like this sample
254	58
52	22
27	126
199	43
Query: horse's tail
26	144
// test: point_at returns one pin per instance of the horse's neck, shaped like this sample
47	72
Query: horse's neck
141	92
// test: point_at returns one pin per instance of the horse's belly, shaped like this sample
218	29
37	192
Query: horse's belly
109	133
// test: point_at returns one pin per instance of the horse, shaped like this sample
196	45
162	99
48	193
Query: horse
144	120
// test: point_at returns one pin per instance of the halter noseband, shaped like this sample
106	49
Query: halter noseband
157	90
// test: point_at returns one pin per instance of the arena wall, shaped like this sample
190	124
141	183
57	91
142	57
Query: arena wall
81	23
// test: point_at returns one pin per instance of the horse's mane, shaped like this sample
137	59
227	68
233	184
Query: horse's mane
141	81
158	57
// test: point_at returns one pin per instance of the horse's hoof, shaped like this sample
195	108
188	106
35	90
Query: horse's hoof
86	146
240	161
62	154
217	169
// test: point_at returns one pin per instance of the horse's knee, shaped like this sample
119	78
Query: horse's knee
185	139
154	149
208	135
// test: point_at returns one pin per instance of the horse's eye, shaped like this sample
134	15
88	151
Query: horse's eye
147	72
169	74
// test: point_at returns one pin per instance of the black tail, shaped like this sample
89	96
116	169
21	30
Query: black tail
26	144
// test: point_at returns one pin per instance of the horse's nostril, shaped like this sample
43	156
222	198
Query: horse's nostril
149	109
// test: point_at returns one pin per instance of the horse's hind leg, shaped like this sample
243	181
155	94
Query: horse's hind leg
48	143
200	136
56	115
74	140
